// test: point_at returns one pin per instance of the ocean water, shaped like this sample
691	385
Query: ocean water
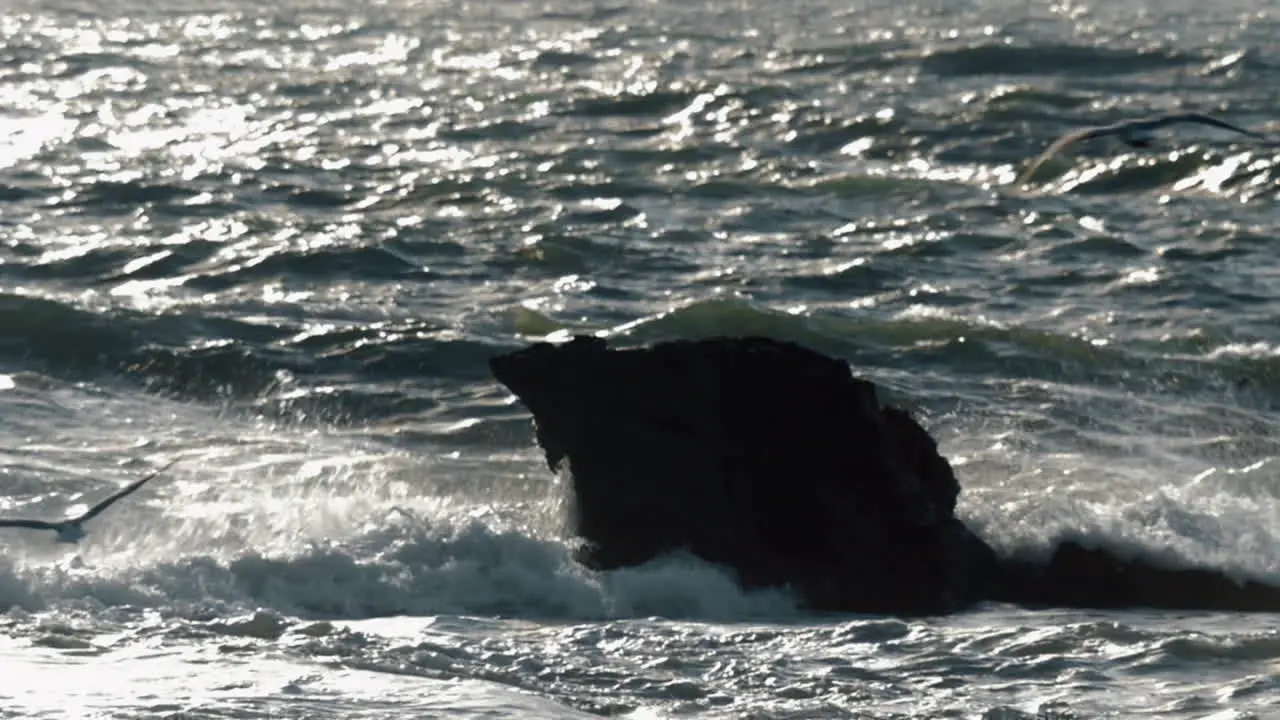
279	241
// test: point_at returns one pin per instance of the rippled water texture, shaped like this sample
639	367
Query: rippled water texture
280	241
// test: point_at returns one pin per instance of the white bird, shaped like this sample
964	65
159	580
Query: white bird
1135	133
72	530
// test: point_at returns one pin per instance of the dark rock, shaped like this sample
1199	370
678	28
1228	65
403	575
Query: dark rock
773	460
760	455
1084	577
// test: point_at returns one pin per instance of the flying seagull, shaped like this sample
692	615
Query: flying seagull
1135	133
71	530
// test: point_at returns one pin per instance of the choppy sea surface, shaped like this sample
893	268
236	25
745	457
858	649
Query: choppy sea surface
279	241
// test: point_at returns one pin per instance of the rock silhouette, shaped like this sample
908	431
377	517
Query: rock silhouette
1082	577
775	461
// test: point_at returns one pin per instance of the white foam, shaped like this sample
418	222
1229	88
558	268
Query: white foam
443	562
1224	518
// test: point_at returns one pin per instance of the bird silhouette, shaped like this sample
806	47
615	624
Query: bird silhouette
72	530
1139	133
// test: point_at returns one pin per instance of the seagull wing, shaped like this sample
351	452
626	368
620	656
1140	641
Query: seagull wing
1061	143
33	524
103	505
1203	119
